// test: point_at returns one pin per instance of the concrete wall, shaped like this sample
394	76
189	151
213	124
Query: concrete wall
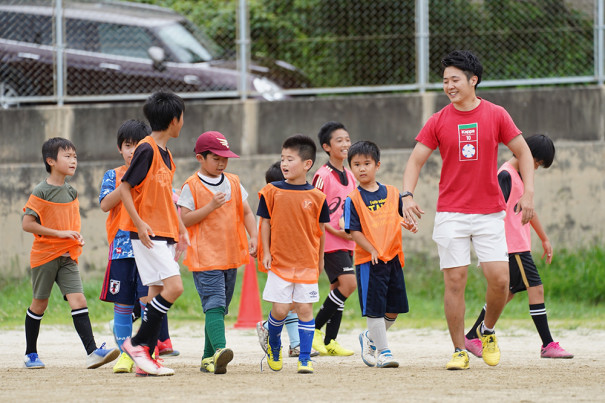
569	195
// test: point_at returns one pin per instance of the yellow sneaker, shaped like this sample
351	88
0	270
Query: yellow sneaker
336	349
275	364
124	365
459	361
491	351
207	365
318	342
222	357
305	367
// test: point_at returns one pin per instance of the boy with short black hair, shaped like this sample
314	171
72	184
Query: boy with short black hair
293	214
52	214
372	214
157	233
336	181
215	211
523	272
274	174
121	276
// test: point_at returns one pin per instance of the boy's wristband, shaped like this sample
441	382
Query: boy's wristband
406	194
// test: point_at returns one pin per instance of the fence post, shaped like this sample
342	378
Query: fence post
60	53
243	43
599	45
422	44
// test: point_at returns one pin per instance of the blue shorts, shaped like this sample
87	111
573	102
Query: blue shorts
121	284
215	287
381	288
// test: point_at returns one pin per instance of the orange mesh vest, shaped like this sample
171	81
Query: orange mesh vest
218	242
381	227
153	197
59	216
295	232
112	224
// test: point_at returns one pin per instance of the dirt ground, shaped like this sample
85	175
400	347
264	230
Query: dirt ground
520	376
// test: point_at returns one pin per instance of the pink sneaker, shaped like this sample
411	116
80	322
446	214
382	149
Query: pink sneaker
474	346
140	356
554	350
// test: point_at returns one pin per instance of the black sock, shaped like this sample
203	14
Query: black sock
164	335
84	329
32	329
136	311
151	323
472	334
333	325
329	308
538	314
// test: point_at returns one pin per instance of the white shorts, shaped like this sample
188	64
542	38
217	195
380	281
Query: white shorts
157	263
284	292
454	233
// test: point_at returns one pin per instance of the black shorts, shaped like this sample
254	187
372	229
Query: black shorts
122	284
523	272
381	288
337	263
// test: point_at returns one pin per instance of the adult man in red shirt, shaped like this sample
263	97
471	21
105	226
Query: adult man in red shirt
470	208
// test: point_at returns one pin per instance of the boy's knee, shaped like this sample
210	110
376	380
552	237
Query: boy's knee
38	306
76	300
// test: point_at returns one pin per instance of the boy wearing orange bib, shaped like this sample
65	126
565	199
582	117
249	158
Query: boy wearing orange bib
157	233
121	284
217	215
52	214
293	214
372	215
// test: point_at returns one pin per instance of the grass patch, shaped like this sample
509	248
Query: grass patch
574	288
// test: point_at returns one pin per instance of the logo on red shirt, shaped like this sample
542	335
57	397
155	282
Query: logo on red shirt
468	140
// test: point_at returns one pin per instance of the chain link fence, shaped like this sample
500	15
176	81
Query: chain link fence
87	51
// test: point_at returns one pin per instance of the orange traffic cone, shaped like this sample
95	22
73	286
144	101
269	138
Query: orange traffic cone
249	305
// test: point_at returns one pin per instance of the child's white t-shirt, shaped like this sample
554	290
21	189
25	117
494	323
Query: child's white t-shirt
215	185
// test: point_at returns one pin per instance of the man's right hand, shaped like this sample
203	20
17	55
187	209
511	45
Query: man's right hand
411	210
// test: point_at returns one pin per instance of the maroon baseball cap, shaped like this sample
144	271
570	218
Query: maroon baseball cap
214	142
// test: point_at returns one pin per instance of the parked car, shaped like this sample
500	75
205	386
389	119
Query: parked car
114	48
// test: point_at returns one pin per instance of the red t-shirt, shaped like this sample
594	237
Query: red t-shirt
468	143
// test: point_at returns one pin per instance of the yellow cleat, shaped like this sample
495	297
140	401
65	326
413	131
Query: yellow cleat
459	361
222	357
318	342
124	365
336	349
305	367
274	364
207	365
491	351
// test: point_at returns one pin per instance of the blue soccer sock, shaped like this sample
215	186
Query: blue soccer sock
306	330
122	323
292	329
275	328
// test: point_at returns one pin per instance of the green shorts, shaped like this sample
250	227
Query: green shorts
62	270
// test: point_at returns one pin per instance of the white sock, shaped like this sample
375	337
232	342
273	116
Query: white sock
485	328
378	333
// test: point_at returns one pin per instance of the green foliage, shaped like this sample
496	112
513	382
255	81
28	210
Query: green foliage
356	42
574	288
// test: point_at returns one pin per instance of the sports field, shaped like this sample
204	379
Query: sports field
520	376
